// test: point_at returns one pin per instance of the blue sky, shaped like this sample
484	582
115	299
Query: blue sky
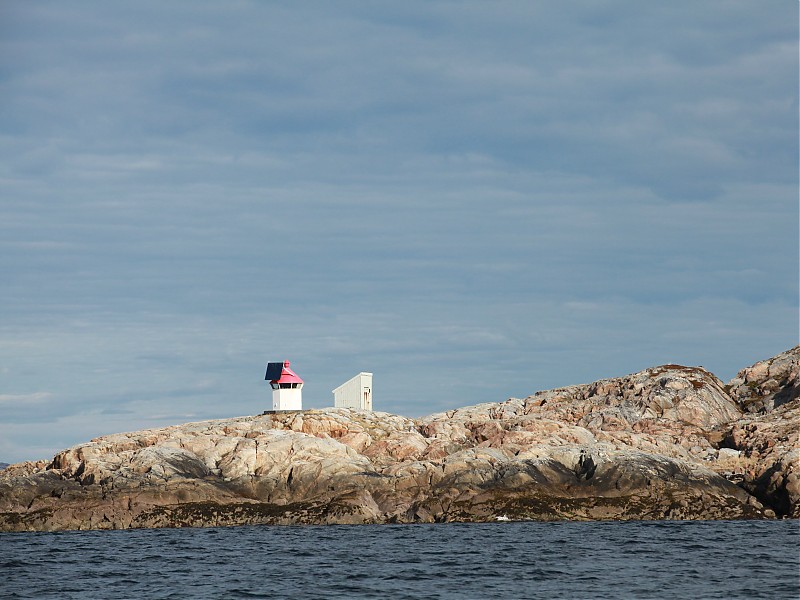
472	200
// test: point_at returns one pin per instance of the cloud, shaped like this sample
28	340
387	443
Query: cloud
25	399
561	191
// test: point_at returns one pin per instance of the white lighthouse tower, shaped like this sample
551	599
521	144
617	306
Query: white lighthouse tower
286	386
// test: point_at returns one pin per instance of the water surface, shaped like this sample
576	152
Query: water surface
664	559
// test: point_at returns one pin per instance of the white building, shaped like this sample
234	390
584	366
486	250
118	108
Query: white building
287	387
355	393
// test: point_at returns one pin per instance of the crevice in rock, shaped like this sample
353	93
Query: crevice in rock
786	395
776	498
585	468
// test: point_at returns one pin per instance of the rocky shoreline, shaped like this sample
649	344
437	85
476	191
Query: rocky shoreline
671	442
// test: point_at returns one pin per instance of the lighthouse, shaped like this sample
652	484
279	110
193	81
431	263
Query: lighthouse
286	386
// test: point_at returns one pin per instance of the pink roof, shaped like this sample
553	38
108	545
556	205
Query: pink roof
287	375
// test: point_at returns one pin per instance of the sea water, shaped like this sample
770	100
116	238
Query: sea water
663	559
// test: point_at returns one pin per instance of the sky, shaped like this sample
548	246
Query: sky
471	200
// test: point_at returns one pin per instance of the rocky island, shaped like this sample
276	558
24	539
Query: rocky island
670	442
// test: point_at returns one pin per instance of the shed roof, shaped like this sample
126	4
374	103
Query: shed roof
362	374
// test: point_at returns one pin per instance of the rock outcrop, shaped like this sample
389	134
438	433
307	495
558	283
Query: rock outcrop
762	447
768	384
666	443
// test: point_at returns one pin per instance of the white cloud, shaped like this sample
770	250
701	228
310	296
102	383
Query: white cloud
25	399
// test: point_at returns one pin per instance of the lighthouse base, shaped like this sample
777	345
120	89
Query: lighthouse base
287	399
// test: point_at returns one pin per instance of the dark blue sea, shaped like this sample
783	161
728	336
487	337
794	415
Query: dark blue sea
666	559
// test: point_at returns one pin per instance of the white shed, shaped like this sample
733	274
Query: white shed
355	393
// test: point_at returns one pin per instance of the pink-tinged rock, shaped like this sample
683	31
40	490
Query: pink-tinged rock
668	442
768	384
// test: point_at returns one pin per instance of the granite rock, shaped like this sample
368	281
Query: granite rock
666	443
768	384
